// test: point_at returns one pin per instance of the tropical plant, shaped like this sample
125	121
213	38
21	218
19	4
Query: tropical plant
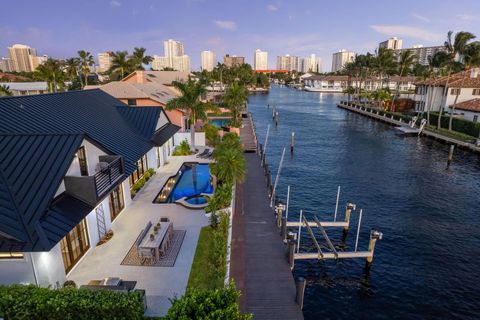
121	65
85	61
229	165
51	72
221	198
385	64
471	58
405	62
190	102
5	90
138	58
71	68
211	134
235	99
454	49
183	149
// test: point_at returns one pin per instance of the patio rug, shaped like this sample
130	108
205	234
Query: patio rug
168	260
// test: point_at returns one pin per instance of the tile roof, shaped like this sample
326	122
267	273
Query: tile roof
469	105
126	90
39	136
455	80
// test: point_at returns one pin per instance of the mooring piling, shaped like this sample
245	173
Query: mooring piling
348	211
450	155
374	236
300	284
292	143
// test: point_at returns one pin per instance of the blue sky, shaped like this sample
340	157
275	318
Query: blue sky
301	27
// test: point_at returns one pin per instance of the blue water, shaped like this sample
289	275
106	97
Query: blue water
197	200
194	179
219	122
428	263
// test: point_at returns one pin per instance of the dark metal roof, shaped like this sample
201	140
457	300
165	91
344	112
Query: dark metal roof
143	119
39	136
164	133
32	167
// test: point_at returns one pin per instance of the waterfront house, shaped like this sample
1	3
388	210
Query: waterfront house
468	110
440	93
67	163
326	83
26	88
338	83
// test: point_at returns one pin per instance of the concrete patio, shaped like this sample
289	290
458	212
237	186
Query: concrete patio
160	283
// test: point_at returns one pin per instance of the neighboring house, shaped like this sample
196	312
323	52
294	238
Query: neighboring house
468	110
441	93
26	88
67	163
149	88
338	83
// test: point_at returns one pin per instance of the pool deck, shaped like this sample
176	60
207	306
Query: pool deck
258	264
160	283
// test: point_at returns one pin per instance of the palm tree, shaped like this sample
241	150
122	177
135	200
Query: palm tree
51	72
454	49
139	58
404	63
86	61
5	91
190	101
229	165
235	98
121	64
385	63
471	57
71	68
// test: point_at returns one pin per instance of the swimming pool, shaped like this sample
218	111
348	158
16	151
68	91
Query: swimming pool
191	181
219	122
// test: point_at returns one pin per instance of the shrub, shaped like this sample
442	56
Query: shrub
221	198
183	149
460	125
31	302
211	134
147	175
151	171
208	304
69	284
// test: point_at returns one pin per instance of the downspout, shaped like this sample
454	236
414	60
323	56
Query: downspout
34	270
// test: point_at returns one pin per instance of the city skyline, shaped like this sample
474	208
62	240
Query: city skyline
281	28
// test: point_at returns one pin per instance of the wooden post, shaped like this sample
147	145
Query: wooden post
291	254
450	155
276	119
374	236
348	212
283	229
300	284
292	143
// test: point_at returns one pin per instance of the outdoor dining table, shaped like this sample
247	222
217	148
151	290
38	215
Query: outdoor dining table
158	242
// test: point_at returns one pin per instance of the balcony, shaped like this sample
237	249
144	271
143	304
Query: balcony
91	189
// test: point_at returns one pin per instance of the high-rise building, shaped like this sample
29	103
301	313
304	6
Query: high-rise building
6	65
231	61
208	60
421	53
260	61
288	62
174	57
105	61
341	58
392	43
24	58
311	64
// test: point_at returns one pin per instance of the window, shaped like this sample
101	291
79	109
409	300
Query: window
132	102
74	245
475	118
476	92
82	160
11	255
454	91
142	167
116	202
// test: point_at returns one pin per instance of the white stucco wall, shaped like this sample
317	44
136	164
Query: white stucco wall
152	158
180	136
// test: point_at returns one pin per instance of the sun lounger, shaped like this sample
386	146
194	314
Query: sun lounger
203	153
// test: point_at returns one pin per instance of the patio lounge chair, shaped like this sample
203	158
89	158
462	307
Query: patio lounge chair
208	155
203	153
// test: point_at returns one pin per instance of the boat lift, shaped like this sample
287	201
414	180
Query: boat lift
293	239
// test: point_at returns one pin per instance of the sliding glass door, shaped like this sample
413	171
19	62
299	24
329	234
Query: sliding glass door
74	245
116	202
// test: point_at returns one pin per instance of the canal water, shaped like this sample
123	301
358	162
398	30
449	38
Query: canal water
428	263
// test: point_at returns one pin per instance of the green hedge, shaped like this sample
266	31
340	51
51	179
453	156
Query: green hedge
460	125
208	304
31	302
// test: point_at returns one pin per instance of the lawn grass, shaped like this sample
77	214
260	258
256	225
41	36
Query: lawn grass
202	275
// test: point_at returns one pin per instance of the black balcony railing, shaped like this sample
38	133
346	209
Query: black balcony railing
107	176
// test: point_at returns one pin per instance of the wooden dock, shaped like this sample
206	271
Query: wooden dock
399	123
248	135
258	262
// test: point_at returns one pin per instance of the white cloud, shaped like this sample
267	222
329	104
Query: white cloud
214	41
407	31
226	24
272	8
115	3
468	17
420	17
